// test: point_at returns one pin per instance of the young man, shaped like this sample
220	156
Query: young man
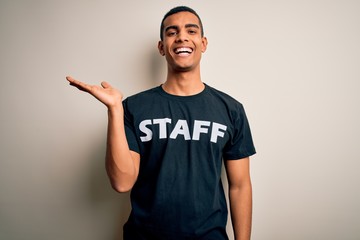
166	145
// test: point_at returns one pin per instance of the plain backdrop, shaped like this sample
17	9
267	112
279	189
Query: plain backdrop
295	65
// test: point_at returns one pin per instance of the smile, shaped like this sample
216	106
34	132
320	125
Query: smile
183	51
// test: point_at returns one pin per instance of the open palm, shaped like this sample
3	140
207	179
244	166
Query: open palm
105	93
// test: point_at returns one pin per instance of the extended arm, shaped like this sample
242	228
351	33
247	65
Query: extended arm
240	197
122	164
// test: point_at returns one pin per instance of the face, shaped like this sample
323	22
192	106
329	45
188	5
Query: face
182	43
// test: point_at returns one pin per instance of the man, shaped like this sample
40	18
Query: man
166	145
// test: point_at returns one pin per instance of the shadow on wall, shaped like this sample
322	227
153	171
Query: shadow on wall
157	67
115	207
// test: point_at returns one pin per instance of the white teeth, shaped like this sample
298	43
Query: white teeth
183	49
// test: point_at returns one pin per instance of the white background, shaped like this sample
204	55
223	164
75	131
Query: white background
293	64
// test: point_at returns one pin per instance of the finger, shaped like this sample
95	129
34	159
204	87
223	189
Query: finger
80	85
105	84
70	78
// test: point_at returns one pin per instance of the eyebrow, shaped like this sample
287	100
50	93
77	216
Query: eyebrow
189	25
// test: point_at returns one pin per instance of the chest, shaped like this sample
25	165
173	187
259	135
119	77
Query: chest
182	122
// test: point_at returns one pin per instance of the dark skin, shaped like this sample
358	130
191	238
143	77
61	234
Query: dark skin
182	46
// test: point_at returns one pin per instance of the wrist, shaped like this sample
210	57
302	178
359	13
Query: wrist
116	109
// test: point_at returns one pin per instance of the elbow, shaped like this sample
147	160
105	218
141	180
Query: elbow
121	183
121	187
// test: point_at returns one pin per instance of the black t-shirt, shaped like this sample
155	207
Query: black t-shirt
182	141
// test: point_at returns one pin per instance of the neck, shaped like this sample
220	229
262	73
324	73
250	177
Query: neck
183	83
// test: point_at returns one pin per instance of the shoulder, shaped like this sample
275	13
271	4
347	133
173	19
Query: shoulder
144	94
230	102
144	103
142	97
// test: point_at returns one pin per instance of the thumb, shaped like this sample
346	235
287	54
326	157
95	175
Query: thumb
105	84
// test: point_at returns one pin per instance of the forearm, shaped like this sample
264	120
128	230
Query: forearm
120	165
241	210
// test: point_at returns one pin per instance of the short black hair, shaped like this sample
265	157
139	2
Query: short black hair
177	10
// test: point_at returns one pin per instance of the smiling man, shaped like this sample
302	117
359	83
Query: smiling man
167	145
182	42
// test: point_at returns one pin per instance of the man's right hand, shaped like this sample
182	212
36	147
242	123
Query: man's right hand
122	164
105	93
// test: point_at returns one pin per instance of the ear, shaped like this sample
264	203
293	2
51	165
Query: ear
204	44
161	48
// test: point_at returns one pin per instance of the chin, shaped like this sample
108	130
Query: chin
183	68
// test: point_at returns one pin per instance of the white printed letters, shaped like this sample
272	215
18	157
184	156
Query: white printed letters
182	128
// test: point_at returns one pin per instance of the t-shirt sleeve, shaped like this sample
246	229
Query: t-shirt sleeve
130	129
241	143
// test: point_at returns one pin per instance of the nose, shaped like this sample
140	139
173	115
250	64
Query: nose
181	37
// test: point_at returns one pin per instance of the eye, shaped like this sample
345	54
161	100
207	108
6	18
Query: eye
192	31
171	33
